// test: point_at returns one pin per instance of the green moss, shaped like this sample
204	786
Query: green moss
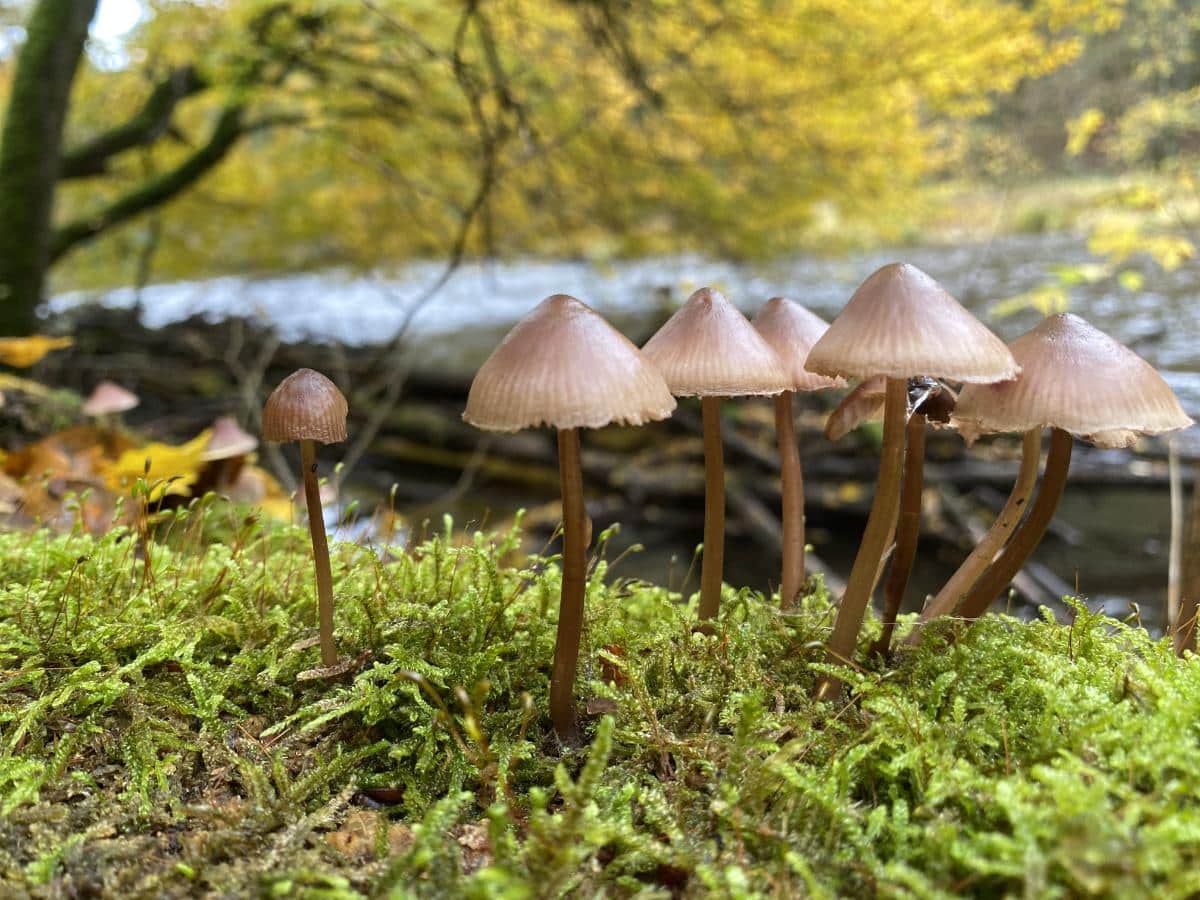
155	739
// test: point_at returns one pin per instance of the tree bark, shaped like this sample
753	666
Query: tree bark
31	153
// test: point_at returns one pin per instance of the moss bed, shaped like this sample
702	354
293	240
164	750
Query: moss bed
156	740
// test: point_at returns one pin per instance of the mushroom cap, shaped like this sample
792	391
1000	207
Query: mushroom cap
564	366
862	404
306	406
109	398
900	323
227	440
1077	378
791	330
709	349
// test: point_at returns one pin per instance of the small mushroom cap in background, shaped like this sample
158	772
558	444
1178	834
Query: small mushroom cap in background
862	404
709	349
228	440
1077	378
109	398
306	406
564	366
900	323
791	330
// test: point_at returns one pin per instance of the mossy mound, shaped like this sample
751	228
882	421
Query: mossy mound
155	739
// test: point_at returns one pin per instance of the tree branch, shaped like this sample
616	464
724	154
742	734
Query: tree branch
229	128
145	127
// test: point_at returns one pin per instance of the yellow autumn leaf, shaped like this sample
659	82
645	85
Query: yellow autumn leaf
167	468
23	352
1082	129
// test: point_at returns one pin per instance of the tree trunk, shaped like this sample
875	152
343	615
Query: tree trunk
31	153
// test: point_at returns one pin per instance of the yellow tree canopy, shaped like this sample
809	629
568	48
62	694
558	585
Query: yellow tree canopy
381	130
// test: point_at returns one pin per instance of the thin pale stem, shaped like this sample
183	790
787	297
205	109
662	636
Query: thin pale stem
874	542
792	496
316	526
570	608
1029	534
908	531
712	563
1184	630
973	567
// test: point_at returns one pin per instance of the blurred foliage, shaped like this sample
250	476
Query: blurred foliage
156	740
386	130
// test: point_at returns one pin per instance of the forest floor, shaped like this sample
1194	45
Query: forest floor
159	736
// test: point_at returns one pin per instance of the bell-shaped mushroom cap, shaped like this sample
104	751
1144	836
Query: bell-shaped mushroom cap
306	406
791	330
901	323
227	440
1074	377
564	366
709	349
108	399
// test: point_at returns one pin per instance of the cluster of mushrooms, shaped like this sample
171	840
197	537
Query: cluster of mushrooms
902	335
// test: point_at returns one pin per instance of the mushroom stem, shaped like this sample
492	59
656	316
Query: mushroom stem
316	527
792	495
712	563
908	531
973	566
1026	538
874	542
570	607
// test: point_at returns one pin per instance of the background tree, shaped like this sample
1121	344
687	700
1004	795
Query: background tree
290	134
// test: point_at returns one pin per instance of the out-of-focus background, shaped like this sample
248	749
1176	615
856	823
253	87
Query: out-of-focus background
206	195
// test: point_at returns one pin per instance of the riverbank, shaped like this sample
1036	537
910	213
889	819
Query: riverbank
158	742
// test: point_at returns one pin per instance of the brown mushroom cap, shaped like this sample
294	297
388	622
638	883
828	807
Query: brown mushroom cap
709	349
228	440
791	330
306	406
900	323
1077	378
564	366
108	399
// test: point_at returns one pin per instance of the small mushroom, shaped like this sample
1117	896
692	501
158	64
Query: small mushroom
109	399
863	404
791	330
225	455
565	367
1079	382
709	350
900	324
307	407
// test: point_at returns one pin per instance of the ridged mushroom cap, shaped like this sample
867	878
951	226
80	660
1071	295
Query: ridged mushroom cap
1077	378
900	323
564	366
306	406
709	349
791	330
228	440
109	398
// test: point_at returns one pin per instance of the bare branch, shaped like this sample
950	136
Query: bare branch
146	126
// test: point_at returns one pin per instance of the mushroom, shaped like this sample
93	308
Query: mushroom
307	407
708	349
109	399
900	324
1077	381
565	367
862	404
225	455
791	330
928	401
